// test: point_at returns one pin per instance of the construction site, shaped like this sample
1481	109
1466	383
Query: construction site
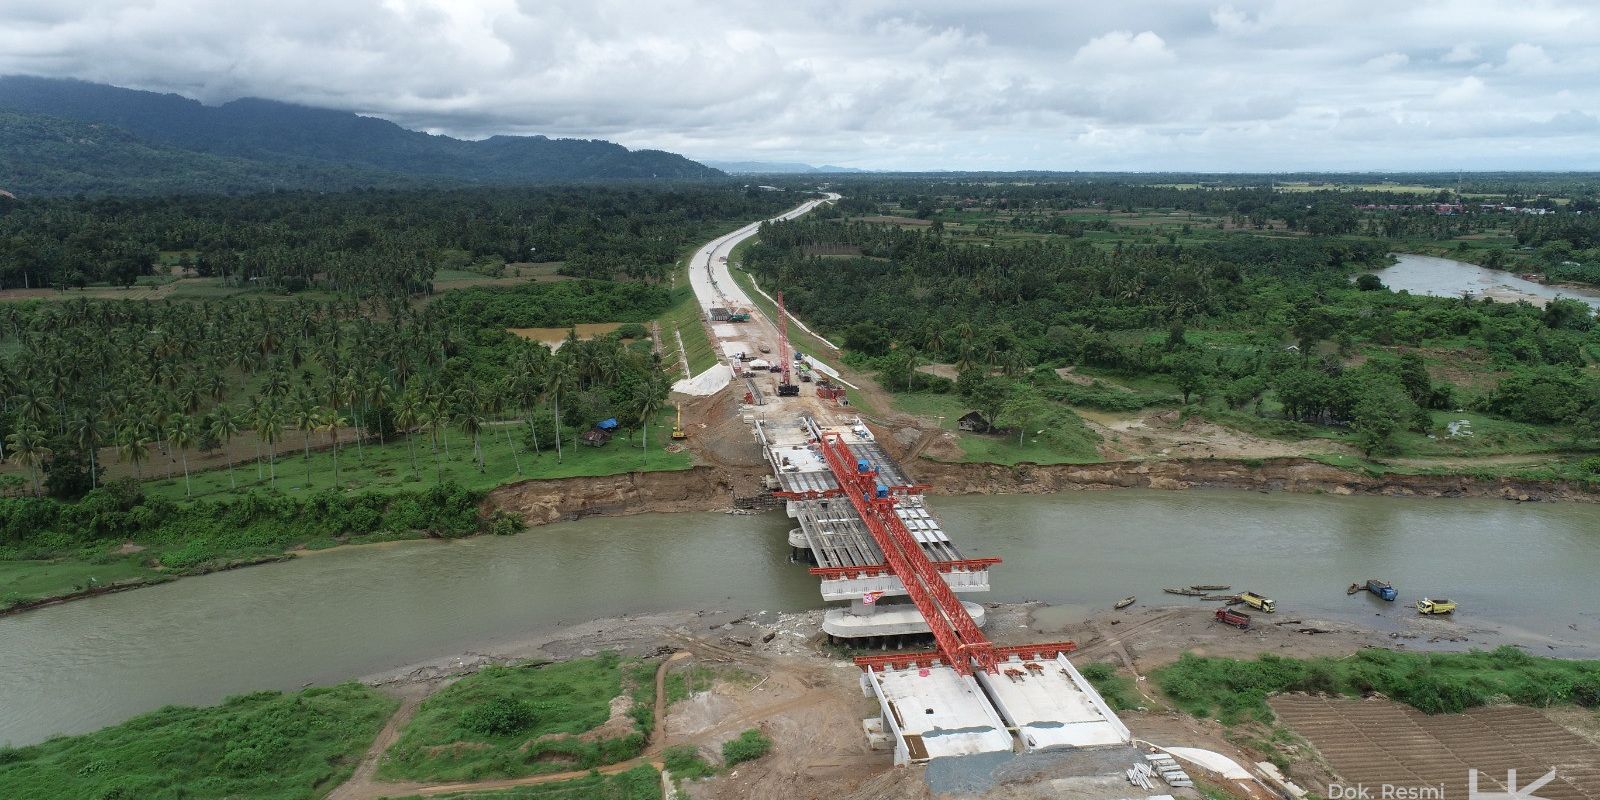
893	575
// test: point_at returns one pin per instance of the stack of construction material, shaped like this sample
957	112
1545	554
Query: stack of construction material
1169	770
1142	776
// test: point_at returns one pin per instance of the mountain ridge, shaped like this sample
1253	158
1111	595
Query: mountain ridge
304	138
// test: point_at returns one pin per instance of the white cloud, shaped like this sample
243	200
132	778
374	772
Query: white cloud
1124	49
1461	92
1461	53
919	84
1528	58
1387	61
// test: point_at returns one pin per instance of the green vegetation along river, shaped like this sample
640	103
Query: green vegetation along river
1524	568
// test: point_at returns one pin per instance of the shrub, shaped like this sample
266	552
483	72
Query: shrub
684	761
750	745
498	717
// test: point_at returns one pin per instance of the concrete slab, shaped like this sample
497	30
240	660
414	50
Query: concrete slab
935	712
888	620
1051	705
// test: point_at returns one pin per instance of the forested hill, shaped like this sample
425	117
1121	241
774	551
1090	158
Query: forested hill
284	142
42	155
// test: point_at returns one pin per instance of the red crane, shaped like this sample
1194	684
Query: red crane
786	388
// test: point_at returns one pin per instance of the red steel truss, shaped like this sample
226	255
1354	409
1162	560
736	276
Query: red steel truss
1031	652
960	642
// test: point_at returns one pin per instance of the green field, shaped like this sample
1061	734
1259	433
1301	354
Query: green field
505	722
1235	691
389	467
21	580
264	746
990	448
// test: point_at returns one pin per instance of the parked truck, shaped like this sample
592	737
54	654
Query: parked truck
1237	619
1259	602
1382	589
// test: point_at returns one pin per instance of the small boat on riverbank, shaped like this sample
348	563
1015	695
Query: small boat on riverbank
1124	602
1184	592
1211	587
1426	606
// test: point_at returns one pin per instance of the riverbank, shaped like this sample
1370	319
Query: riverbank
713	488
707	488
773	671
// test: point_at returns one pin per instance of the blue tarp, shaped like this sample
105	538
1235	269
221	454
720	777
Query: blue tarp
608	424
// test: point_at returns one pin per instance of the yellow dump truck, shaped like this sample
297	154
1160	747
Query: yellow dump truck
1426	606
1258	602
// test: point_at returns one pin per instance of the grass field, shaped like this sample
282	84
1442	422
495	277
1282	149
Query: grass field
505	722
388	467
1235	691
265	746
23	580
989	448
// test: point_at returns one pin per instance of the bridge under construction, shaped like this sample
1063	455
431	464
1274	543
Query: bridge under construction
875	542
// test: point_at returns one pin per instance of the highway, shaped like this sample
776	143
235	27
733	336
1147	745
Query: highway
714	287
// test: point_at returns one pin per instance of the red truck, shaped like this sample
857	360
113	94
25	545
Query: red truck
1237	619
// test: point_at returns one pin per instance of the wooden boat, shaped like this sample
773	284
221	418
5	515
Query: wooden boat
1354	587
1211	587
1220	597
1124	602
1426	606
1184	592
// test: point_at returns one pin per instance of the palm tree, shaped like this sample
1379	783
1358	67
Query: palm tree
28	449
407	413
557	379
378	394
134	445
88	433
349	392
304	415
469	415
268	423
224	424
330	421
429	414
504	396
647	400
184	436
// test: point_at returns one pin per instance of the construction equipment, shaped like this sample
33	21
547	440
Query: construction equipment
1381	589
1426	606
1259	602
677	427
786	387
1237	619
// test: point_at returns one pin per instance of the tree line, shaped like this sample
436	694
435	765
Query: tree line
389	242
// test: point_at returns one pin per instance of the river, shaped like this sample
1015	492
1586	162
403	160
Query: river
1527	568
1443	277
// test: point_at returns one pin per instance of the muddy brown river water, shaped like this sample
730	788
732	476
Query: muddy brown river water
1528	570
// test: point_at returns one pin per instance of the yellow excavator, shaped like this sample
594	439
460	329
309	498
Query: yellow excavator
677	427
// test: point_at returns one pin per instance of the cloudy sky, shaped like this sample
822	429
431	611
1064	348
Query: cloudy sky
898	84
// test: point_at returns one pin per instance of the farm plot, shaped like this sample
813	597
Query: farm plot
1377	742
